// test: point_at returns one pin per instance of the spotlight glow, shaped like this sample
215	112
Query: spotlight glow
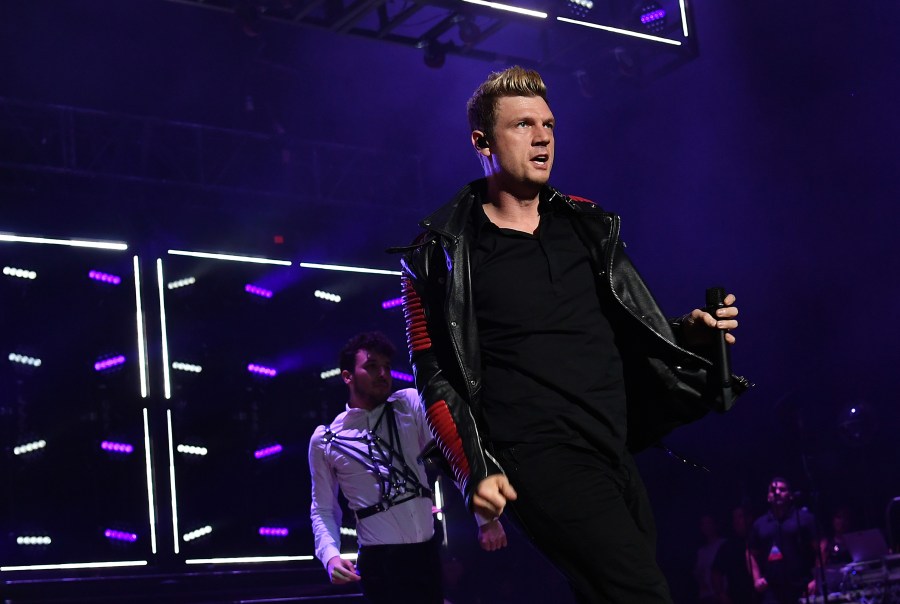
197	533
330	373
273	531
192	450
623	32
104	277
258	291
403	377
21	273
231	257
100	245
29	447
24	360
119	535
392	303
512	9
262	370
109	363
114	447
327	296
181	283
348	269
267	451
33	540
187	367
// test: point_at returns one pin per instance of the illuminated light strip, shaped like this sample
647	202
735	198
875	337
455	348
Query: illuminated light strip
273	531
232	257
109	363
346	530
181	283
251	559
148	462
119	535
438	500
403	377
104	277
29	447
187	367
114	447
19	272
262	370
348	269
76	565
322	295
267	451
142	342
24	360
392	303
652	16
192	450
33	540
330	373
200	532
623	32
100	245
684	27
167	383
258	291
507	7
172	481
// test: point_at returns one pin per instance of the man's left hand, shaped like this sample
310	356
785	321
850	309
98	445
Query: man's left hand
696	327
491	536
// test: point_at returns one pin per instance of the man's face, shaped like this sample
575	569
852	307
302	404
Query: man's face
779	493
370	381
520	152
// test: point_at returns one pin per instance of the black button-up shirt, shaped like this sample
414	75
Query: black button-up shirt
551	368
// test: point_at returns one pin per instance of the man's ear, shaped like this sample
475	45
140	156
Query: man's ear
480	142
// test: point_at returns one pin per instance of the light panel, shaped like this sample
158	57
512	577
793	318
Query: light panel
24	359
348	269
230	257
100	245
21	273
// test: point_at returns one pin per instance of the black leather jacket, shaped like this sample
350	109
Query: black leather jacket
666	383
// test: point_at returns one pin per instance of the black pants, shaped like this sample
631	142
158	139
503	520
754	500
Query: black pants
408	573
592	520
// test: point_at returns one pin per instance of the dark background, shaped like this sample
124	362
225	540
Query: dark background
767	164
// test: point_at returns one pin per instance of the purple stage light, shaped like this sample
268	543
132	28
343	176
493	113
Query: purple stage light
392	303
107	363
258	291
267	451
114	447
261	370
273	531
104	277
405	377
119	535
654	15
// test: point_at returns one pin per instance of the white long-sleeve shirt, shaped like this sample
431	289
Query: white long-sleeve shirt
332	469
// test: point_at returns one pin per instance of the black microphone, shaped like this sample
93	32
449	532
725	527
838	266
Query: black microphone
720	376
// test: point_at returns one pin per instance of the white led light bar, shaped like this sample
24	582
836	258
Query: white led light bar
33	540
196	534
167	382
346	530
231	257
142	342
148	462
181	283
348	269
684	25
187	367
623	32
438	500
192	450
330	373
251	559
21	273
29	447
172	481
322	295
510	8
100	245
75	565
24	360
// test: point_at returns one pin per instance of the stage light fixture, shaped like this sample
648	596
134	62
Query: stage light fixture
251	559
231	257
119	535
509	8
109	363
617	30
192	450
579	8
181	283
330	373
267	451
24	359
348	269
100	245
403	377
469	32
21	273
164	337
75	565
196	534
258	291
273	531
104	277
33	540
174	496
435	54
29	447
262	370
392	303
114	447
142	341
323	295
187	367
148	463
651	15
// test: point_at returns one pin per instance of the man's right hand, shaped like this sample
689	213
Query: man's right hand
761	584
491	495
342	571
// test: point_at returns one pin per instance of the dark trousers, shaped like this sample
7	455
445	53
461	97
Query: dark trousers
591	519
408	573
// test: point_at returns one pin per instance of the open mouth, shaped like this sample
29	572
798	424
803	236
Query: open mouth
541	159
